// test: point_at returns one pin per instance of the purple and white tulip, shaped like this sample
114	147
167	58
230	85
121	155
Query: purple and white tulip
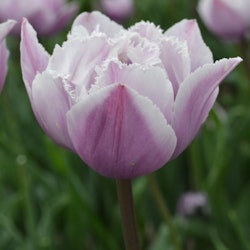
228	19
126	101
47	16
5	28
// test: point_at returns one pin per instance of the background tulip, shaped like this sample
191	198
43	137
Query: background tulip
127	101
228	19
193	204
118	9
4	54
47	16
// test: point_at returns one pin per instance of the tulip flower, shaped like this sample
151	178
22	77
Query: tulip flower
47	16
192	204
4	54
117	10
228	19
125	100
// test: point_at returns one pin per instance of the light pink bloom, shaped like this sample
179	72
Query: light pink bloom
4	54
118	9
127	101
192	204
47	16
229	19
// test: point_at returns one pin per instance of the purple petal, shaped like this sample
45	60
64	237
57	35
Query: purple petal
34	58
50	103
97	21
119	133
188	30
196	97
176	60
148	81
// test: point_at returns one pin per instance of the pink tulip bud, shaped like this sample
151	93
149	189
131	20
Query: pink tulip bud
126	101
47	16
228	19
192	204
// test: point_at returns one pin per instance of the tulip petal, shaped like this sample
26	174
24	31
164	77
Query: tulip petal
34	58
188	30
4	54
75	62
95	21
147	30
148	81
50	104
176	60
5	28
196	97
119	133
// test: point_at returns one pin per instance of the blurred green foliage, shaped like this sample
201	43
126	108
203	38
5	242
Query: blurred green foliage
51	201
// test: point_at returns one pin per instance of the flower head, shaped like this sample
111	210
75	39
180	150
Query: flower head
126	101
228	19
192	204
4	54
118	9
47	16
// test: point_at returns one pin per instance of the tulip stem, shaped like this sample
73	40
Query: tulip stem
128	218
164	211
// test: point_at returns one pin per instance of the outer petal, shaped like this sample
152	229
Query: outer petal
176	60
148	81
97	21
195	98
218	16
50	103
119	133
34	58
5	28
188	30
4	54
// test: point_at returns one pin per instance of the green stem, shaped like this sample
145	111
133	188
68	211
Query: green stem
128	219
164	211
192	8
239	230
28	207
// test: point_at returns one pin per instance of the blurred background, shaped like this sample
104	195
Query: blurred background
50	200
